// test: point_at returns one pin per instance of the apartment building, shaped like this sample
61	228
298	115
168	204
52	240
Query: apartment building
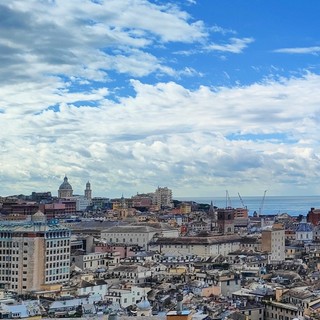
163	197
132	273
273	242
126	297
96	260
33	254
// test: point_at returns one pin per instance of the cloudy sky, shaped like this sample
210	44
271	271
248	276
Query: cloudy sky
201	96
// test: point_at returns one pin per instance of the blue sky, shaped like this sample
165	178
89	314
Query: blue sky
199	96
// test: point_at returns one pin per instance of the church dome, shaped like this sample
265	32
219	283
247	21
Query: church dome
65	185
144	305
304	226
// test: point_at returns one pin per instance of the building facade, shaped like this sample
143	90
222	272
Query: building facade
130	235
33	254
163	197
225	222
199	246
273	242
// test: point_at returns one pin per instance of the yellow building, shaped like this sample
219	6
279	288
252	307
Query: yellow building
185	208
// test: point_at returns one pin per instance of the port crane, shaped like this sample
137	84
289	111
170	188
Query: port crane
245	207
262	202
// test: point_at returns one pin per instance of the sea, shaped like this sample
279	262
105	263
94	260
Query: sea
293	205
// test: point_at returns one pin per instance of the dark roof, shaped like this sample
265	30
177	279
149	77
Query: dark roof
304	227
249	240
198	240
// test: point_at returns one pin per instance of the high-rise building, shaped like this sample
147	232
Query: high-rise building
163	197
273	242
34	254
88	191
65	189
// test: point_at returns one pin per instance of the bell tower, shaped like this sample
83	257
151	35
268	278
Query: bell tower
88	191
226	221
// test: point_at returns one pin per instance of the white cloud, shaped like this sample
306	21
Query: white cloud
65	38
60	114
169	135
236	45
301	50
221	30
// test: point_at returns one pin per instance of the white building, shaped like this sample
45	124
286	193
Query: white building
136	235
99	287
94	261
34	254
304	231
198	246
82	203
126	297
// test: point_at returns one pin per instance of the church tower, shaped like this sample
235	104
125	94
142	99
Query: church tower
88	191
226	221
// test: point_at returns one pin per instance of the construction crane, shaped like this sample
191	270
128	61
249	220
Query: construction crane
262	202
242	201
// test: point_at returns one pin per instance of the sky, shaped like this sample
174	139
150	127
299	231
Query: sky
201	96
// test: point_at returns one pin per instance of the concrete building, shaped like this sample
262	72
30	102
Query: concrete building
199	246
94	261
97	286
18	208
132	273
185	208
273	242
127	296
163	197
82	203
101	203
141	201
65	189
131	235
34	254
53	210
135	234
